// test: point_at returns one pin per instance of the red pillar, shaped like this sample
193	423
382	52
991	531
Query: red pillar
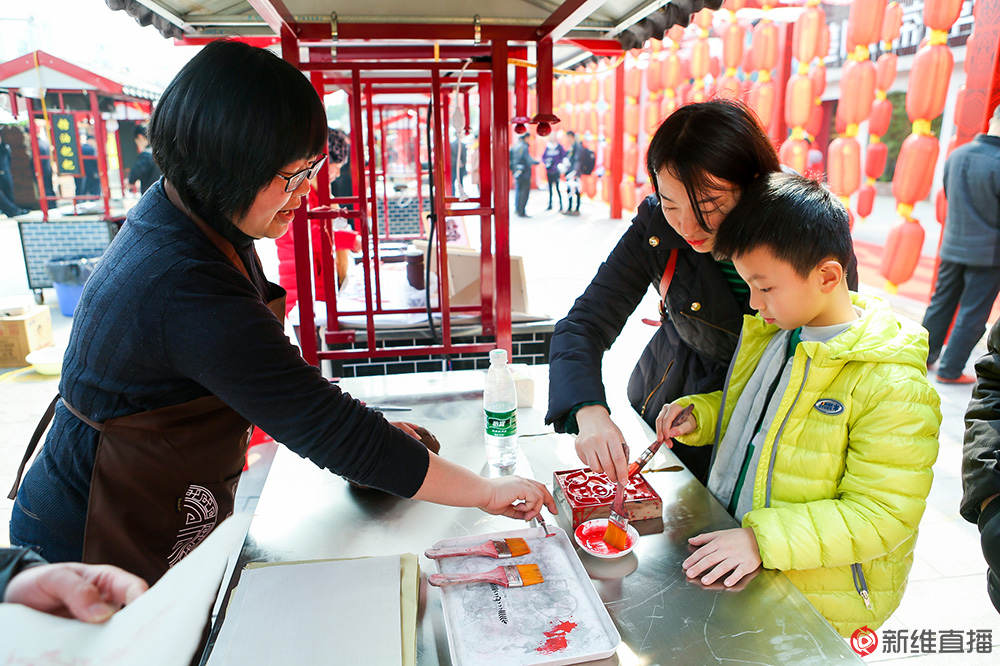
617	143
501	194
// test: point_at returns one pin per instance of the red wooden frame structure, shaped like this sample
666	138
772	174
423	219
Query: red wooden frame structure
92	86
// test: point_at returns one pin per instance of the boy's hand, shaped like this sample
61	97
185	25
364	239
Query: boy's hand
664	424
732	550
601	444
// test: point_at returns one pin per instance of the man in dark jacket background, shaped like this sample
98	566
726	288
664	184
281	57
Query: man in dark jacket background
969	275
980	466
521	163
144	171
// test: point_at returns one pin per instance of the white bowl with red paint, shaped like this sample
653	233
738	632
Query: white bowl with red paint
590	537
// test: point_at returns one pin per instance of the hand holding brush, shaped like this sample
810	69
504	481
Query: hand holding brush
641	461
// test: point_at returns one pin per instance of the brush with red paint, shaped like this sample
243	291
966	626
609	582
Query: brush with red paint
501	549
615	536
511	575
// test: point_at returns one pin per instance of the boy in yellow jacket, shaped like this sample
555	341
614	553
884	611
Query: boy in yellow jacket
826	428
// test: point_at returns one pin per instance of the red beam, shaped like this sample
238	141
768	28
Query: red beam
599	47
423	31
566	17
501	195
276	15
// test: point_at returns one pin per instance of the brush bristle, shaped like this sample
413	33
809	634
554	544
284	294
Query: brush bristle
530	574
615	537
517	547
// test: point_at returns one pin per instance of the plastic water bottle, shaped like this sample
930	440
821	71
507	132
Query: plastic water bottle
500	402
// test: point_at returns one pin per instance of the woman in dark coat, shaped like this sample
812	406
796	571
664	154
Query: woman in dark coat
700	160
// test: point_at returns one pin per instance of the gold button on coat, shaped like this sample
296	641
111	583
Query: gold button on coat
695	306
654	241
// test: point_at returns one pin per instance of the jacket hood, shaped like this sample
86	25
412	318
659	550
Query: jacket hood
878	336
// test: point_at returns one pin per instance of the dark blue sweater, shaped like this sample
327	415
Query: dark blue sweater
167	318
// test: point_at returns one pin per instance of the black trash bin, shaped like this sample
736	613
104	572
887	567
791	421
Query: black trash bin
68	277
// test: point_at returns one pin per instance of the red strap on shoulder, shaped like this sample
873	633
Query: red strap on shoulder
668	274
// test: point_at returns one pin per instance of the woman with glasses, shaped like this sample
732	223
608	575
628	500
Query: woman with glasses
178	345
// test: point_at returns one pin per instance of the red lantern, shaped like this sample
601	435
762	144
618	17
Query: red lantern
668	106
672	70
652	112
843	172
815	124
630	160
857	92
902	251
892	21
823	48
941	14
765	45
793	153
728	87
606	188
875	157
885	70
593	89
632	119
627	190
714	67
654	76
941	206
864	23
699	59
818	77
866	200
703	19
633	79
762	101
609	88
732	46
581	90
589	186
805	33
929	82
878	122
798	100
915	168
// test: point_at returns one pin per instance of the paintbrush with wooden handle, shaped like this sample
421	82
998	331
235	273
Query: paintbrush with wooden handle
499	548
511	575
641	461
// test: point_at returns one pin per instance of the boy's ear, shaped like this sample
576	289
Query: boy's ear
831	274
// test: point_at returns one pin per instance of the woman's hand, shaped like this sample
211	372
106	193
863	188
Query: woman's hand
91	593
732	550
600	444
516	497
665	429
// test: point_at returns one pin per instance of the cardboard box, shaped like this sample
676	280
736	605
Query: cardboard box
22	334
463	277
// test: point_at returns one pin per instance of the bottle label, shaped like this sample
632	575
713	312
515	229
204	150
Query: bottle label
501	424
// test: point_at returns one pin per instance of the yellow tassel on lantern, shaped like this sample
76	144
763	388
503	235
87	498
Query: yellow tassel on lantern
905	210
922	126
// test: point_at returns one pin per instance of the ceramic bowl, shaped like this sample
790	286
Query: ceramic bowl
47	360
590	536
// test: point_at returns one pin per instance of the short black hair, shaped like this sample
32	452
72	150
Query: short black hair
140	130
338	145
798	220
232	118
571	133
719	139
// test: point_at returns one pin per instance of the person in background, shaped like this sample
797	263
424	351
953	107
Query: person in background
981	461
700	160
968	278
178	344
521	164
144	170
90	593
826	429
459	157
552	157
7	205
89	184
45	158
571	167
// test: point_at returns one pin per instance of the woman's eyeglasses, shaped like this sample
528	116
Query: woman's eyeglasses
292	182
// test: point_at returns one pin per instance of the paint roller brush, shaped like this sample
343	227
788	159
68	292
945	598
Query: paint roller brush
511	575
498	548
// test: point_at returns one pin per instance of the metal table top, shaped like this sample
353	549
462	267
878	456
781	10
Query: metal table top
305	512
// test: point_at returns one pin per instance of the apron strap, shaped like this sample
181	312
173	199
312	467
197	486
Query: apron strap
36	437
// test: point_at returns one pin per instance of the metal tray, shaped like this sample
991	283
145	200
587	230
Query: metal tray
560	621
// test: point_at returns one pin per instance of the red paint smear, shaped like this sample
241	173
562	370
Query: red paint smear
591	536
585	487
556	638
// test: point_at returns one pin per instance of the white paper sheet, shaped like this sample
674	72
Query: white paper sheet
161	628
333	612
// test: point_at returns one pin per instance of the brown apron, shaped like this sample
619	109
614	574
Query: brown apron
163	479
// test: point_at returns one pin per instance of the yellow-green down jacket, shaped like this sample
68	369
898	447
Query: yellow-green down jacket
840	487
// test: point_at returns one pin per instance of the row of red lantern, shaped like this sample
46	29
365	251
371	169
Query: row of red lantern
918	155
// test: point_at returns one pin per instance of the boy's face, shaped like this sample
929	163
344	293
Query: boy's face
782	296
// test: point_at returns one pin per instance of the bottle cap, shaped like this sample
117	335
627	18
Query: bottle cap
498	356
